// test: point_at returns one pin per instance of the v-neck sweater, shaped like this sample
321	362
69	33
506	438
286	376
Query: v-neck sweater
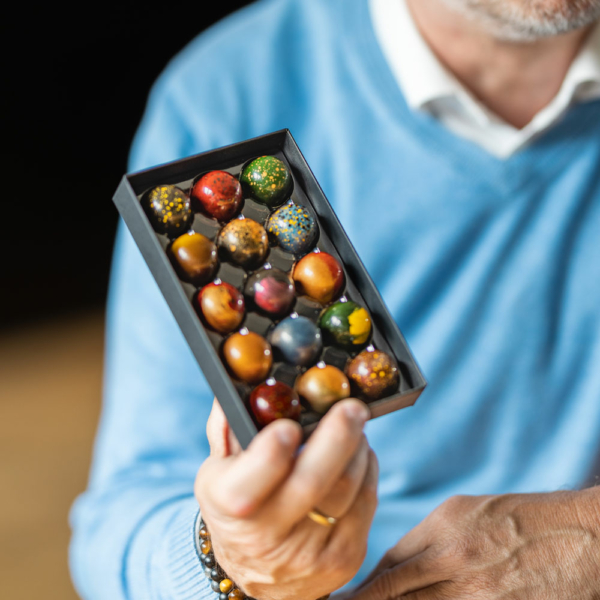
491	268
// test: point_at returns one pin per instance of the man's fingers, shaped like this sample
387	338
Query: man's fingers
217	431
356	523
258	471
385	563
416	541
239	484
343	494
320	464
439	591
419	572
234	445
422	571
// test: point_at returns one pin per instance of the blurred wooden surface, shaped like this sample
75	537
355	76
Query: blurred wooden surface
50	384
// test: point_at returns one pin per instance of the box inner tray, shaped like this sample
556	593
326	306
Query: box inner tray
332	239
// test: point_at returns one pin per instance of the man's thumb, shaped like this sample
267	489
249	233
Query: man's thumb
217	431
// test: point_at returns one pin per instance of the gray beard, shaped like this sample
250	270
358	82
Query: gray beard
528	20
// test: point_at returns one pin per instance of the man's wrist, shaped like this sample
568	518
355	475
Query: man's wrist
589	509
220	583
576	514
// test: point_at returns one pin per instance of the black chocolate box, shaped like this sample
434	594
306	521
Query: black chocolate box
206	344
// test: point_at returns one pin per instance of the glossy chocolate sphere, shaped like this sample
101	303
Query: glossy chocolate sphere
267	180
346	324
298	340
293	229
218	194
221	305
194	257
319	276
168	209
323	385
244	242
271	291
249	356
274	400
374	374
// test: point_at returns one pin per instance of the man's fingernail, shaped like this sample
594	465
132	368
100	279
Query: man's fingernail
286	433
357	411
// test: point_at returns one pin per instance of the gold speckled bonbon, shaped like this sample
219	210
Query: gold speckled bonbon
373	373
267	180
169	210
244	242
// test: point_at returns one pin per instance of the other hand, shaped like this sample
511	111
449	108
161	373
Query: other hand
509	547
255	503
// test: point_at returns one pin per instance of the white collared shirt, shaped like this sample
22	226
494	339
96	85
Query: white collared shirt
428	86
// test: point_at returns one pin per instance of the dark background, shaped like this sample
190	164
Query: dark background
75	86
74	83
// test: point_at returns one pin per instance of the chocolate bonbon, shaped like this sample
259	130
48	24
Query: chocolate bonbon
271	291
293	228
373	374
322	386
209	195
244	242
168	208
218	194
319	276
221	305
248	355
298	340
194	257
273	400
267	180
346	324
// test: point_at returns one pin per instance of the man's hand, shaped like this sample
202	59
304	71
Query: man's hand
255	503
512	547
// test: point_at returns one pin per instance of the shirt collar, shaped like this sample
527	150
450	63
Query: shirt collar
421	75
584	73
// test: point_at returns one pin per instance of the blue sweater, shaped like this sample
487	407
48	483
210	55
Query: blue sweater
491	268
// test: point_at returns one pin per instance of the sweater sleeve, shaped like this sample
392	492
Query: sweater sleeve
133	526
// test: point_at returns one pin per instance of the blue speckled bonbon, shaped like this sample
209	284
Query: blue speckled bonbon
292	227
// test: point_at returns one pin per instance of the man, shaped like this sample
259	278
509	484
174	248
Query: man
459	143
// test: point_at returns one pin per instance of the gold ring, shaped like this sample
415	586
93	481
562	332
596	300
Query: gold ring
321	519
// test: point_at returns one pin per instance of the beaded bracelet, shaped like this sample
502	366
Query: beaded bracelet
219	581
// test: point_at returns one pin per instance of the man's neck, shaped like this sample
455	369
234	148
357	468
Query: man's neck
514	80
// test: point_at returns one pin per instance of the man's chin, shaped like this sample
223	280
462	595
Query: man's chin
528	20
